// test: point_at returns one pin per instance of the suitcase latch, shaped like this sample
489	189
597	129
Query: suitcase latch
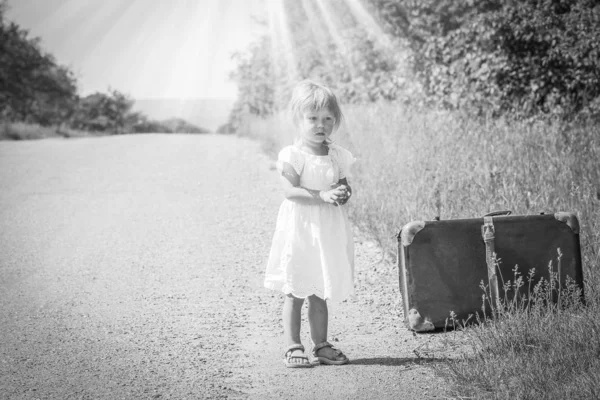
488	233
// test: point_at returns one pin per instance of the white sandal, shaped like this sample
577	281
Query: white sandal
288	357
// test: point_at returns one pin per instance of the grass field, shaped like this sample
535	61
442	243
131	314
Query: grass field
419	164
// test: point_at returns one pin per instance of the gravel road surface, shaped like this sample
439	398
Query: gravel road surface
131	267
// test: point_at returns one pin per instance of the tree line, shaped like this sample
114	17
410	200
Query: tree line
492	57
36	89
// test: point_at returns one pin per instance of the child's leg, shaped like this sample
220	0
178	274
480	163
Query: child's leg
292	319
318	318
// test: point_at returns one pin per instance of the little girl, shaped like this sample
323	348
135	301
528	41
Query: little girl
312	254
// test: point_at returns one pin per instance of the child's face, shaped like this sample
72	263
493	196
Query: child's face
316	125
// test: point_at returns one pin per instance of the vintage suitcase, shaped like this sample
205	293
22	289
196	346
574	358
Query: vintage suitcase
442	263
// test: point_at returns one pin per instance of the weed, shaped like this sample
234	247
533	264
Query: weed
543	342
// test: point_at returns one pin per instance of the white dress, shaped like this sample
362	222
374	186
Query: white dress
313	250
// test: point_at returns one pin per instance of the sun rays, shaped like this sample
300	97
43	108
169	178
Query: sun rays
182	49
281	41
175	49
362	15
322	18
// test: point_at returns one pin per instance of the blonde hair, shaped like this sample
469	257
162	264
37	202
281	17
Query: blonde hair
311	96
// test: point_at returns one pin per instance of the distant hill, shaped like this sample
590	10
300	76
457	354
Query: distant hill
202	112
172	125
180	125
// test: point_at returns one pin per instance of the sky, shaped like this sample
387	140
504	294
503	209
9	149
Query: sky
144	48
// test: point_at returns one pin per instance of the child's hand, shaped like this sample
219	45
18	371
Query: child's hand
334	196
347	192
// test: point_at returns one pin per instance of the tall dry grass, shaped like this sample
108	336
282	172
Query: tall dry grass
419	164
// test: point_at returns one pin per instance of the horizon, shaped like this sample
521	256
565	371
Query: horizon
208	113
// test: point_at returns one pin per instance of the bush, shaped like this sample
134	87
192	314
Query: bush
36	90
23	131
33	86
528	57
491	58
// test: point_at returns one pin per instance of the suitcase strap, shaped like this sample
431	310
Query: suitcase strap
488	234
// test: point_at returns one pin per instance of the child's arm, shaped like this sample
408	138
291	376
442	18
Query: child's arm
294	192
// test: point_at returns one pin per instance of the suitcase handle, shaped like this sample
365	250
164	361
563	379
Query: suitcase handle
497	213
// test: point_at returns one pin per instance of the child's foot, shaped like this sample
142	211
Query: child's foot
294	357
325	353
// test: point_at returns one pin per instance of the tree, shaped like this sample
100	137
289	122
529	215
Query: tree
104	112
521	57
33	87
533	56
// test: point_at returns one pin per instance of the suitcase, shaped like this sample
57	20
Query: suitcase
443	263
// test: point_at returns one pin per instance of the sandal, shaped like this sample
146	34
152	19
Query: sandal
288	357
340	358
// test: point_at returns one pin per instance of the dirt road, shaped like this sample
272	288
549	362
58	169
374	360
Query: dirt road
131	268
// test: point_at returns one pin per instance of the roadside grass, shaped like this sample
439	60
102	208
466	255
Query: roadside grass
543	343
417	164
24	131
